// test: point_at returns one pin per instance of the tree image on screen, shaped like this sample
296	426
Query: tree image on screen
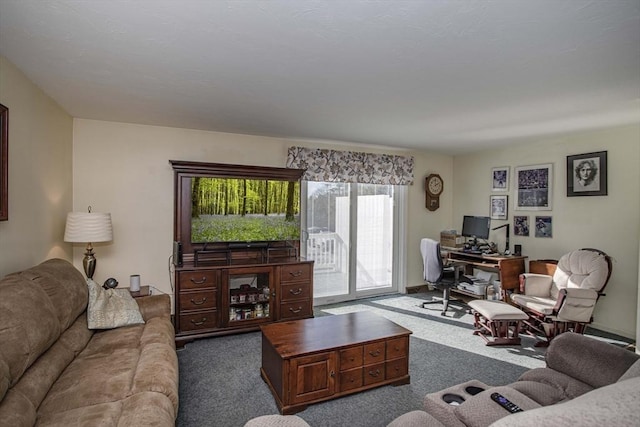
244	210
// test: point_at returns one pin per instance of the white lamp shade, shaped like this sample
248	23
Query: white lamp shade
88	227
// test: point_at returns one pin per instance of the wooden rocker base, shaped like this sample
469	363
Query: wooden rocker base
497	322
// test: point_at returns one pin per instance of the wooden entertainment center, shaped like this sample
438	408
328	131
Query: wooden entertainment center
225	287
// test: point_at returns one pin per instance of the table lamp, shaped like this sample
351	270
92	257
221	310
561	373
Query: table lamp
88	227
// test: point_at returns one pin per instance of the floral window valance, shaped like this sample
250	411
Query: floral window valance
350	166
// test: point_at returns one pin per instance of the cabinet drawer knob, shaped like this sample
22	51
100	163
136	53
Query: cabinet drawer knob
375	373
332	374
297	273
198	282
202	301
295	310
200	323
374	353
295	291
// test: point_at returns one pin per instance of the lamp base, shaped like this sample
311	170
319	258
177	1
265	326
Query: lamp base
89	262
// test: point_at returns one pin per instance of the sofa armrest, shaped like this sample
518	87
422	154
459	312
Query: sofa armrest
537	285
154	306
594	362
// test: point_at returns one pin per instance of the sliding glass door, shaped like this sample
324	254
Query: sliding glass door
351	230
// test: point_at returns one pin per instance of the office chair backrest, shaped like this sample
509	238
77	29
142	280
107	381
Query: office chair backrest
432	260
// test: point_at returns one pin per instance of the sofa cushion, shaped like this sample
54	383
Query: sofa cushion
567	386
111	308
632	372
580	269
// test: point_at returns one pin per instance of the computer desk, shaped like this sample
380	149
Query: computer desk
508	268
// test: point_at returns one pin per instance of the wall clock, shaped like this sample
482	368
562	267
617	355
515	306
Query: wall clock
434	186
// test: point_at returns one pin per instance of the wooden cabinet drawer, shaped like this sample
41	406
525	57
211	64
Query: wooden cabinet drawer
397	347
374	352
374	373
350	379
396	368
200	300
350	358
197	279
196	321
295	291
296	273
291	310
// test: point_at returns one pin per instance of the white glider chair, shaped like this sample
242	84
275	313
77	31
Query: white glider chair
563	300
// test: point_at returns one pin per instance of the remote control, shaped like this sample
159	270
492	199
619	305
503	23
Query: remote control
506	403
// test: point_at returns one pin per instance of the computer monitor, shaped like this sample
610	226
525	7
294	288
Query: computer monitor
476	226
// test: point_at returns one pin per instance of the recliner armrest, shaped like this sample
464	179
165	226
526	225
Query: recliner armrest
538	285
594	362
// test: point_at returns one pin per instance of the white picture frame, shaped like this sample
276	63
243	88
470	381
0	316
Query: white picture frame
500	178
498	206
534	187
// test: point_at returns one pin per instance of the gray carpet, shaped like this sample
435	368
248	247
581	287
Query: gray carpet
220	383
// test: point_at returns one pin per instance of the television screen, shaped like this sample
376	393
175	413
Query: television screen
244	210
476	226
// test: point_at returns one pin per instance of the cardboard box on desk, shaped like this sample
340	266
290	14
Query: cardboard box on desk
451	240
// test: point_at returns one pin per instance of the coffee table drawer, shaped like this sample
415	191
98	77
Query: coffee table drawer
396	368
374	373
397	347
350	379
374	352
350	358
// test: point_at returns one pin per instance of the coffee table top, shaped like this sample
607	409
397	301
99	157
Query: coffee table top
304	336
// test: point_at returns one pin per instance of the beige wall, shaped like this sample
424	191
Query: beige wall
124	169
40	174
610	223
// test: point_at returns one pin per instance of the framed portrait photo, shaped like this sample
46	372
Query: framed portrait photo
500	178
534	187
587	174
521	225
498	207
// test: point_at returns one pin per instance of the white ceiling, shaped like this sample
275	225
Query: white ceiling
445	75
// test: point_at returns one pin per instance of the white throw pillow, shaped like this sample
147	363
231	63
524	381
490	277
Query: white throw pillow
111	308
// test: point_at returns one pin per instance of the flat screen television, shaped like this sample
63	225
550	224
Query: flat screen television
251	209
476	226
244	210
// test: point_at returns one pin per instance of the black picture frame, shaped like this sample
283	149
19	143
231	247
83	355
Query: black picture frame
4	163
593	184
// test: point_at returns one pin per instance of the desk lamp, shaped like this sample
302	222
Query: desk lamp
506	249
88	227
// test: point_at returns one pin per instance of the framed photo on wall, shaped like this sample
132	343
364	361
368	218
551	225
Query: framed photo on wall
544	226
587	174
534	190
498	207
500	178
4	163
521	225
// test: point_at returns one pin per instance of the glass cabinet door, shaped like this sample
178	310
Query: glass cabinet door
249	295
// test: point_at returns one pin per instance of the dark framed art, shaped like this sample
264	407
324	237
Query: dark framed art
587	174
544	226
521	225
4	163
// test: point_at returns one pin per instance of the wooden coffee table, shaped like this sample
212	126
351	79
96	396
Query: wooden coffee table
312	360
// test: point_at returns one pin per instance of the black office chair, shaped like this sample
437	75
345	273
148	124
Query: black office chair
437	274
